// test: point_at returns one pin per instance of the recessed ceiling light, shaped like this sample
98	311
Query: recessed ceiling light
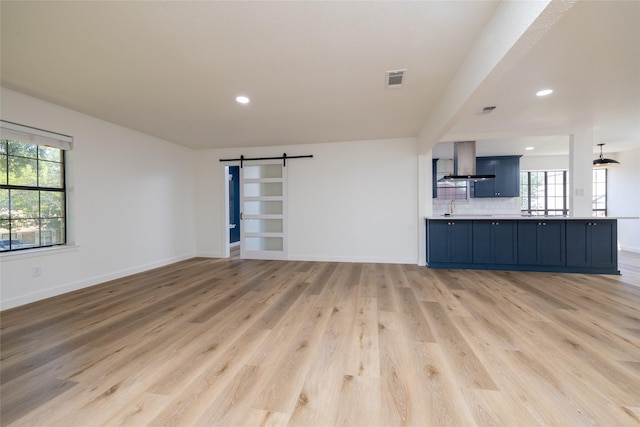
242	99
529	148
544	92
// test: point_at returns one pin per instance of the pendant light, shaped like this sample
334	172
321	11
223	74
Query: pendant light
601	162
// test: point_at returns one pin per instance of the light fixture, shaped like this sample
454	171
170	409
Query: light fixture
601	162
529	148
544	92
242	99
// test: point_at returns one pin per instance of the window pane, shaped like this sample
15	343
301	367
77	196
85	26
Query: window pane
24	204
4	204
24	233
52	232
259	189
263	225
22	149
4	235
3	146
262	207
263	243
50	174
49	153
3	169
262	171
51	204
22	171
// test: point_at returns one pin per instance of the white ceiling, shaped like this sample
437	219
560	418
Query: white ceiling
315	70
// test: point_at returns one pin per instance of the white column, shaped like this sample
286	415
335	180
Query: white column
425	201
581	173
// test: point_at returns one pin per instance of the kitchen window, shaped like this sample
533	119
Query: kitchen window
32	188
546	192
600	192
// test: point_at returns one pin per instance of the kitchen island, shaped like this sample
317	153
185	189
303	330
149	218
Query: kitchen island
523	243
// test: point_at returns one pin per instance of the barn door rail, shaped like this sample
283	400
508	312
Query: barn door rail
284	159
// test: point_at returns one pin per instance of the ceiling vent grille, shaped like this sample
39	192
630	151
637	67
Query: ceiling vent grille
487	110
395	78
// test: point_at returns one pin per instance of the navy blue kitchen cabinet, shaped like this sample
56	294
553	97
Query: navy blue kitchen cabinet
495	242
434	177
592	244
554	245
541	242
507	180
449	241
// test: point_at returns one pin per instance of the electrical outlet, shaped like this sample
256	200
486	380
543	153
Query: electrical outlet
36	271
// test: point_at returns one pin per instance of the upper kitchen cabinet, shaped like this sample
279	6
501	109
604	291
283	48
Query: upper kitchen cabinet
507	180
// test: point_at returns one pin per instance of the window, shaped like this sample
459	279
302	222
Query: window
600	192
546	192
32	189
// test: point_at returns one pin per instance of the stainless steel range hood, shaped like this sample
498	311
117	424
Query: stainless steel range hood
464	163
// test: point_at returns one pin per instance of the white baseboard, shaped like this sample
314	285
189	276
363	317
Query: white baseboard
630	249
59	290
373	260
210	255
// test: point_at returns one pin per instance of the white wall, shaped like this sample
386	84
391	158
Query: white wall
541	163
623	198
131	205
354	201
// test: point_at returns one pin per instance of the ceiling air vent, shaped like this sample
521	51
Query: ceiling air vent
395	78
487	110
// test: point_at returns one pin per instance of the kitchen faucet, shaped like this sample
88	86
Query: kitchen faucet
452	207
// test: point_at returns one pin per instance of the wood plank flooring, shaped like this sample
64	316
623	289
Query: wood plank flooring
211	342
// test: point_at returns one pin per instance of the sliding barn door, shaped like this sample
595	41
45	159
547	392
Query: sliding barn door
263	192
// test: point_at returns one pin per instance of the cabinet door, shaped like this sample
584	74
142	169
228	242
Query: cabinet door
449	241
507	182
434	178
604	244
460	241
528	242
541	242
552	244
578	252
482	242
485	166
438	238
505	242
592	243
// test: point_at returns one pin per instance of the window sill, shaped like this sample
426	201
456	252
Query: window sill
39	252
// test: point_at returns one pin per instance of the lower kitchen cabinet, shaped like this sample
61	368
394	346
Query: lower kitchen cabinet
555	245
449	241
592	243
541	242
495	242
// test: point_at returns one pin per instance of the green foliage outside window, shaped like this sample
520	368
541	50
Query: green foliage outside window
32	196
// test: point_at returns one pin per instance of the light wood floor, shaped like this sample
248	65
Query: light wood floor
251	343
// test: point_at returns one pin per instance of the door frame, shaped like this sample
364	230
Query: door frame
227	235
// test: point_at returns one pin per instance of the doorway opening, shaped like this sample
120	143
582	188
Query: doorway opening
233	210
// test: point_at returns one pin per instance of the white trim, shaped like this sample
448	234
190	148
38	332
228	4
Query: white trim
14	131
630	249
36	252
211	255
370	260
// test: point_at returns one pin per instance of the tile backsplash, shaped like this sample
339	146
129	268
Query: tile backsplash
479	206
